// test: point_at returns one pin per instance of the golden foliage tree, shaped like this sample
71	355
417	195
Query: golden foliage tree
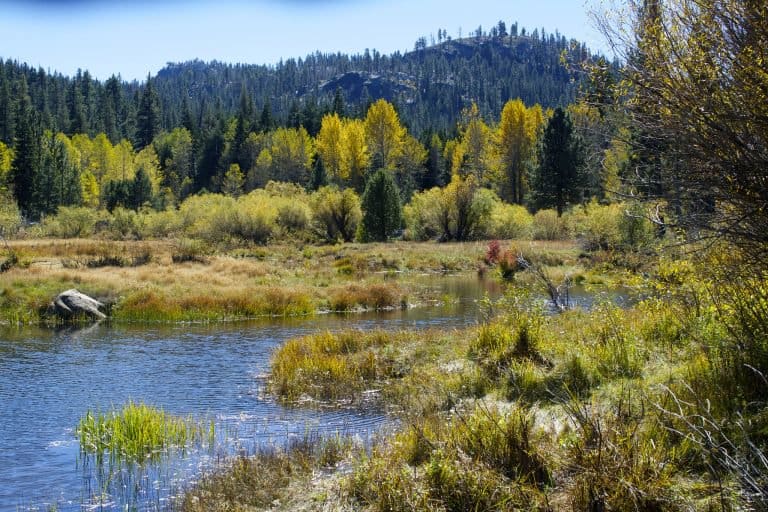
384	134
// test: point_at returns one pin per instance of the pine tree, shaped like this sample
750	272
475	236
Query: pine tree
77	116
382	213
558	181
266	121
27	154
338	102
148	116
141	189
6	108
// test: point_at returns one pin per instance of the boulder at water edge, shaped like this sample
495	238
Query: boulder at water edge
72	304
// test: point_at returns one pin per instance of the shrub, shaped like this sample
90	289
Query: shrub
460	211
123	224
161	224
548	226
10	217
72	222
335	214
510	221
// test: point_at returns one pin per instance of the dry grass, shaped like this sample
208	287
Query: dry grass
141	281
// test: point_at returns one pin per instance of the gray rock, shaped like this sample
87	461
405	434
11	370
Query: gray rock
71	304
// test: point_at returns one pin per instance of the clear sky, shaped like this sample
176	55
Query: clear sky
136	38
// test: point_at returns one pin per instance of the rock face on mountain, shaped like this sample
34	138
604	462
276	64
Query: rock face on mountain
73	304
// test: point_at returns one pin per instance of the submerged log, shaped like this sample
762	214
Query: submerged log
72	304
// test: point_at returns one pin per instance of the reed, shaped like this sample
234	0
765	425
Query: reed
139	432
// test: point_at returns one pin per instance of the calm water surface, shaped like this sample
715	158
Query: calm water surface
48	380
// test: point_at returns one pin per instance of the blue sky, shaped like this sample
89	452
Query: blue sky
136	38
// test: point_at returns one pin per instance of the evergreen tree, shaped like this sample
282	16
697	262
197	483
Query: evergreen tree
141	189
27	154
7	112
266	121
78	122
558	181
382	213
148	116
319	176
112	108
435	166
242	129
338	102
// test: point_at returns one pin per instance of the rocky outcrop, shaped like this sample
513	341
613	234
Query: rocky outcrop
72	304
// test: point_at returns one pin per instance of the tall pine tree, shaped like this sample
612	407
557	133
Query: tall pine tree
558	181
148	116
382	214
27	154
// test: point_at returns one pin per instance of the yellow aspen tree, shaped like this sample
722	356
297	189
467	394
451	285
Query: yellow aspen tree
515	143
6	158
292	152
355	155
384	134
329	146
147	159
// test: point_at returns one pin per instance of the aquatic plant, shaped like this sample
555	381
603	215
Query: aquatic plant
137	432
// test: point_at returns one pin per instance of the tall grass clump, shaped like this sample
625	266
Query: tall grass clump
371	296
137	432
156	305
617	457
328	366
482	459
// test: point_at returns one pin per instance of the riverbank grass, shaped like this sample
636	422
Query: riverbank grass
137	432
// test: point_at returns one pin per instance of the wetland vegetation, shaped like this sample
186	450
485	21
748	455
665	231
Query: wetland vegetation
650	181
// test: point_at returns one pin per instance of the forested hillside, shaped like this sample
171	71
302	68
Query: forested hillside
430	86
75	141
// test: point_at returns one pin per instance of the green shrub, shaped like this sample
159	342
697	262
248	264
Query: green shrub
72	222
123	224
10	217
336	214
162	224
548	226
510	221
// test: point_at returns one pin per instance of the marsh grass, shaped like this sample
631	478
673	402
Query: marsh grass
191	280
374	296
264	479
159	306
481	459
138	432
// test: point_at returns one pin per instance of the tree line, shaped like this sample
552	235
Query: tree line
530	156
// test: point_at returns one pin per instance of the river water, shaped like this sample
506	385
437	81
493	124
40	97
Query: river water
49	379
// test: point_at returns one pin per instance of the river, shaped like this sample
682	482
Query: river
49	379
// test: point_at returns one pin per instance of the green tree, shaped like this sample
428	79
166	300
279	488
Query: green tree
141	189
26	161
232	184
382	212
148	116
6	108
558	181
